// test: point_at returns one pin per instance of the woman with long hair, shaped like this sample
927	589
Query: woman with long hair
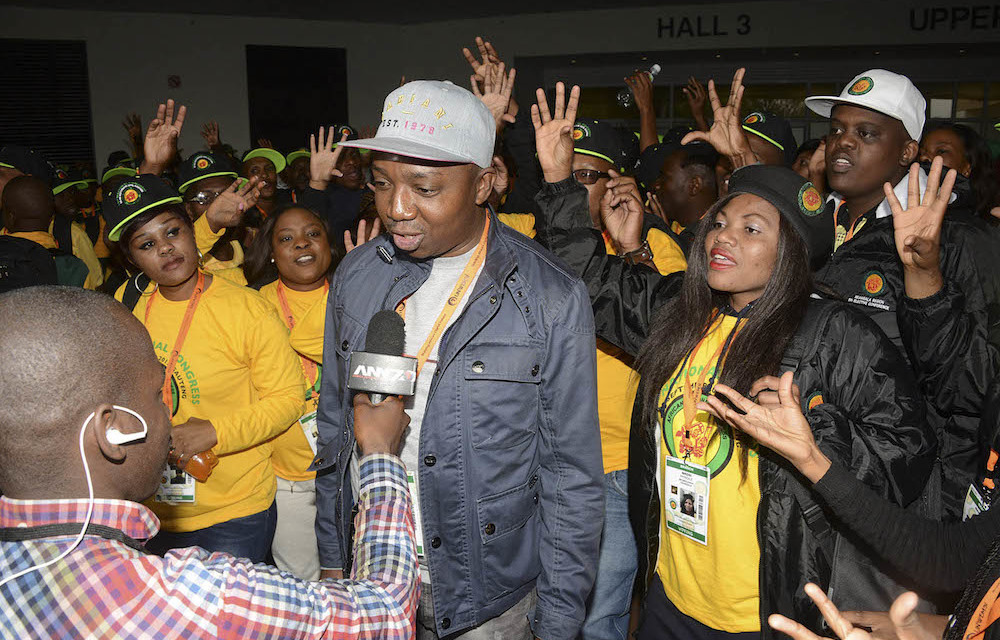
742	313
291	260
965	151
232	381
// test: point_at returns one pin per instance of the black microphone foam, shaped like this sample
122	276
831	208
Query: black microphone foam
386	334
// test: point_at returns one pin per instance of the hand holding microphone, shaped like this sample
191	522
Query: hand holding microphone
381	374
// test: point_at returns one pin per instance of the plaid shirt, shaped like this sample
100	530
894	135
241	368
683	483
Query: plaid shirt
105	589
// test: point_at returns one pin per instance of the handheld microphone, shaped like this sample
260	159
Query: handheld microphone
381	370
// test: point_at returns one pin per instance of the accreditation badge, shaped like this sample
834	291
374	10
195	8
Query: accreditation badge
176	487
310	429
685	488
974	503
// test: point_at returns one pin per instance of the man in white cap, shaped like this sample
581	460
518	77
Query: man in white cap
936	300
504	446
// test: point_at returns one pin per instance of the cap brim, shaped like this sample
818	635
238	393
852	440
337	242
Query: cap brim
59	189
408	148
117	171
823	105
275	157
295	155
588	152
184	187
116	232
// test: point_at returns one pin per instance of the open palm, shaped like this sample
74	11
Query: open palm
554	132
917	229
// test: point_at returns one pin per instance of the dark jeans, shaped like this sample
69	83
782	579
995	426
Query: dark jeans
246	537
661	620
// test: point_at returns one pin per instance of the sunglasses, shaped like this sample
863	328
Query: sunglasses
589	176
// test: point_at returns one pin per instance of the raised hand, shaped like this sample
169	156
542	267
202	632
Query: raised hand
917	229
265	143
906	623
501	184
349	243
323	159
488	56
695	94
780	427
726	133
160	144
622	212
228	208
495	94
642	89
133	127
210	132
554	132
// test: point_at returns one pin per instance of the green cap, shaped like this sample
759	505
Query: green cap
276	158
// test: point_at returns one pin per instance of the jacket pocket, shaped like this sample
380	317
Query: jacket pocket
508	532
502	382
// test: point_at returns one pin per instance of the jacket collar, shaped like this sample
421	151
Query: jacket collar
902	189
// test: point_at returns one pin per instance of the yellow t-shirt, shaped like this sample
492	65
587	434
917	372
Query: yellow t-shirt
523	222
231	270
617	382
716	584
237	370
292	455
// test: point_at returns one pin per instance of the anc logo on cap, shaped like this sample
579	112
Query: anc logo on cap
874	283
861	86
754	118
581	131
815	400
202	162
345	131
810	202
61	175
129	193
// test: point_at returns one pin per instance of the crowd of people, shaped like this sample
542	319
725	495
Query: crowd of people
700	383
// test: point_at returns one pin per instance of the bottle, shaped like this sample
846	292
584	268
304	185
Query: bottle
625	95
199	466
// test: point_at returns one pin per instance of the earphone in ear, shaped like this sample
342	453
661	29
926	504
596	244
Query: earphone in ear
115	436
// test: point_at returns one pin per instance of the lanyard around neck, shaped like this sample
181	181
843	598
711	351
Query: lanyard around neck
309	368
192	304
457	295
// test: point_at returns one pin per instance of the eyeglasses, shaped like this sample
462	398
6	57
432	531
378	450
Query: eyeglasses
204	197
589	176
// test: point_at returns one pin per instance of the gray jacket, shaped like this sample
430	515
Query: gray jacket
510	474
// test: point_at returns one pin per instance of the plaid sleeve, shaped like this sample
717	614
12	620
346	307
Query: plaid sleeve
238	599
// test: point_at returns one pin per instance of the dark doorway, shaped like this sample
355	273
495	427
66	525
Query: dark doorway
294	90
46	98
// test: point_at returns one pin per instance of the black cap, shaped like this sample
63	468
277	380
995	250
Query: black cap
775	130
132	197
650	163
339	130
125	167
204	164
24	263
601	140
798	201
66	178
27	161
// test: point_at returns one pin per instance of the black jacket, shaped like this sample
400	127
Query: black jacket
949	339
871	419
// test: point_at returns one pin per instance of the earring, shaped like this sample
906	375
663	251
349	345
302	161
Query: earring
272	260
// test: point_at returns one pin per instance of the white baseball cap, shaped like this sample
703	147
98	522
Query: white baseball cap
882	91
434	120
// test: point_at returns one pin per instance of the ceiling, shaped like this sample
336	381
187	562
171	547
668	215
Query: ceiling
387	11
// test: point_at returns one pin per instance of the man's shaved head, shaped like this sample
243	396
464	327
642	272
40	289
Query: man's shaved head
66	351
28	204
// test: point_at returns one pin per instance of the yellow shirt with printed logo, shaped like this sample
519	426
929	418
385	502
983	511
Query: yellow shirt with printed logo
236	370
292	454
716	584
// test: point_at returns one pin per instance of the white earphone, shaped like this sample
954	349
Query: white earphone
117	437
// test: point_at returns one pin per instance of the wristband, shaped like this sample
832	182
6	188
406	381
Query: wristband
642	254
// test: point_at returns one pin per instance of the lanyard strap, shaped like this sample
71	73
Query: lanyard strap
457	295
986	613
309	368
181	333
